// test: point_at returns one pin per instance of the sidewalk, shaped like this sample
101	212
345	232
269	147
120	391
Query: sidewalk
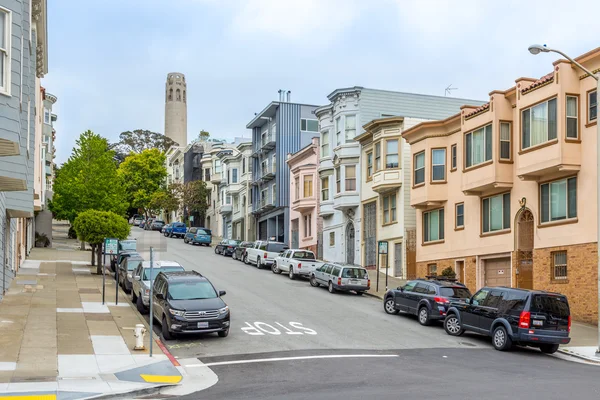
584	343
392	284
58	340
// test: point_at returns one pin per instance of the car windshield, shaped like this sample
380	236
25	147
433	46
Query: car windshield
276	247
304	255
233	242
132	264
455	292
128	245
191	290
156	271
555	306
159	222
178	225
354	273
247	244
203	232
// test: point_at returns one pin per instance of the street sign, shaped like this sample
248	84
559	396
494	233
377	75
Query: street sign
382	246
191	218
111	246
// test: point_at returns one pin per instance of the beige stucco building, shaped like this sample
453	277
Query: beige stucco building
506	192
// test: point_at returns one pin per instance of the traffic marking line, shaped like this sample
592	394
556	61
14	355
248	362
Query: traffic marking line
161	378
261	360
30	397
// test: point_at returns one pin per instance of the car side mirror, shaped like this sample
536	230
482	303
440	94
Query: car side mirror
160	296
401	288
468	301
222	293
137	277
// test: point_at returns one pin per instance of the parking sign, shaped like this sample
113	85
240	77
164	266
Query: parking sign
383	247
111	246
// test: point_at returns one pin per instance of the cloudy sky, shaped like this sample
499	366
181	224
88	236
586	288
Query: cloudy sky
108	60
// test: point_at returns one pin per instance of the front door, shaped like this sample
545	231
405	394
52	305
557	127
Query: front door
398	260
295	241
525	250
350	243
370	234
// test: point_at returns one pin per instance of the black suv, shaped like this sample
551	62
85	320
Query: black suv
524	317
186	302
427	299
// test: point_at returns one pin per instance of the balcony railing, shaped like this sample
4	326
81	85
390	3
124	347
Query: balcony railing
268	172
267	141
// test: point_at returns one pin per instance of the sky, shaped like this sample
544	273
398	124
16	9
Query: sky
108	60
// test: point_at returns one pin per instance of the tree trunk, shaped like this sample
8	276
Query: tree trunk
93	259
100	263
82	244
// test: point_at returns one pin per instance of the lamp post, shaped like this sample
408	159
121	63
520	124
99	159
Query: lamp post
537	49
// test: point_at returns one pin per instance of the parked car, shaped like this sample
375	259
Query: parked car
227	246
240	250
202	236
189	235
148	225
513	316
140	293
296	263
127	245
165	228
125	271
427	299
253	245
187	302
341	277
178	229
142	223
120	257
133	218
157	225
264	252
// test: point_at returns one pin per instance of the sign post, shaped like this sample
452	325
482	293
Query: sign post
382	249
111	247
151	293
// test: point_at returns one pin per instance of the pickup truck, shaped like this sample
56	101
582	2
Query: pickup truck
263	253
177	229
296	263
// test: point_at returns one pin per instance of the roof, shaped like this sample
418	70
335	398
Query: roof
479	109
540	82
181	275
269	112
347	265
164	263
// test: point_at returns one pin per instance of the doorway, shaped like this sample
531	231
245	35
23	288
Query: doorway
525	249
460	271
350	243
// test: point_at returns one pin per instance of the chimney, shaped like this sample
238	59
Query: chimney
289	95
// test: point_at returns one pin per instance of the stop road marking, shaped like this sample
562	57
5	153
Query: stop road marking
258	328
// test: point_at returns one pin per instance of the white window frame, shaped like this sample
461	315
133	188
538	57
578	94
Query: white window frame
349	133
304	181
297	183
572	117
325	144
236	175
338	130
433	165
305	121
387	154
348	181
338	179
561	266
457	214
391	209
6	53
307	225
325	189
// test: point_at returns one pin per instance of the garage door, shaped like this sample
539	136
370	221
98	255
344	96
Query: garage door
497	272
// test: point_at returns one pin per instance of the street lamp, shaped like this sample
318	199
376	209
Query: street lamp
537	49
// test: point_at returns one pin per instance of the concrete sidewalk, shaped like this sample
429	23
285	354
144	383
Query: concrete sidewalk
57	339
392	283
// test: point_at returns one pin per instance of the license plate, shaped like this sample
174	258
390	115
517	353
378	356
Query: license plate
353	281
202	324
538	323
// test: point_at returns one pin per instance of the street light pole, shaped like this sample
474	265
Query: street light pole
537	49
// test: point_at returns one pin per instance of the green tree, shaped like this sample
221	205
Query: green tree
93	226
166	200
204	135
142	139
143	175
194	197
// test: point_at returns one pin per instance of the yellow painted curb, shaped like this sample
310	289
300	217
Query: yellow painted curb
160	379
30	397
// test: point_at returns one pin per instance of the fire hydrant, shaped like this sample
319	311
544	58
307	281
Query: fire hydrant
140	331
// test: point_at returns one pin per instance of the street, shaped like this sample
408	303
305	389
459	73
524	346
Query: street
275	317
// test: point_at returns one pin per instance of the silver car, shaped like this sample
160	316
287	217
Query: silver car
341	277
140	293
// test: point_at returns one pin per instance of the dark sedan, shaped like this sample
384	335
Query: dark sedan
240	251
227	247
157	225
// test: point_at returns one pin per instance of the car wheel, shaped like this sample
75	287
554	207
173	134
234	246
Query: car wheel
452	326
330	287
275	269
184	240
291	273
165	330
133	297
424	316
549	348
313	281
389	307
171	235
224	333
258	264
140	305
500	339
233	256
245	259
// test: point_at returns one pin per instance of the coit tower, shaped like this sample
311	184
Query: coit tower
176	108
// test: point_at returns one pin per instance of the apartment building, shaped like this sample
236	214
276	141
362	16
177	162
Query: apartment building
305	223
505	193
239	178
340	170
281	128
175	159
24	60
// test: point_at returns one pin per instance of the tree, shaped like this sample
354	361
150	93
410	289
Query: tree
204	135
93	226
167	200
143	175
194	197
142	139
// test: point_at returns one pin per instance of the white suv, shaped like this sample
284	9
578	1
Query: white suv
263	253
140	293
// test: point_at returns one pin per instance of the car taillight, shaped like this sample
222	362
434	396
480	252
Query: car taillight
229	247
299	265
339	281
569	327
524	319
265	255
369	283
441	300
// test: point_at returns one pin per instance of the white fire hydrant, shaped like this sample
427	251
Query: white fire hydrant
139	333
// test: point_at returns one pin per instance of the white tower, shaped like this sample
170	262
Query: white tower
176	108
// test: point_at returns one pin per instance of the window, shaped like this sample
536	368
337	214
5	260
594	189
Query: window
433	225
592	106
350	127
273	163
496	213
178	94
419	168
274	196
338	180
338	130
438	165
228	199
391	154
234	175
505	136
432	269
244	165
46	116
377	156
308	225
297	185
263	197
5	33
369	165
558	200
478	146
460	215
207	174
559	265
325	189
309	125
308	186
453	157
332	238
538	124
350	178
325	144
389	208
217	166
572	111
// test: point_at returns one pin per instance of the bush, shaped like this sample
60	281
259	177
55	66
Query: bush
449	273
41	240
72	234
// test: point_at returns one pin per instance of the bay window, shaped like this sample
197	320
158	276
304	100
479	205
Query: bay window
297	185
350	178
538	124
325	144
377	156
391	154
505	142
389	208
558	200
438	165
572	117
453	157
338	180
496	213
338	130
433	225
350	127
308	185
369	165
592	106
234	175
5	36
419	167
460	216
478	146
325	189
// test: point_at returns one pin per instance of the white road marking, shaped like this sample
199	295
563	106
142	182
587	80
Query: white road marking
261	360
260	328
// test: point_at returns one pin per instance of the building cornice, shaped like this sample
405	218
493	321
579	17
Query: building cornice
40	22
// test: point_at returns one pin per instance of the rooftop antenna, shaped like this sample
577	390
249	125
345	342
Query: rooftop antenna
449	90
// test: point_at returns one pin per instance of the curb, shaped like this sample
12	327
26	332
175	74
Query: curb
132	394
374	295
580	357
164	349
